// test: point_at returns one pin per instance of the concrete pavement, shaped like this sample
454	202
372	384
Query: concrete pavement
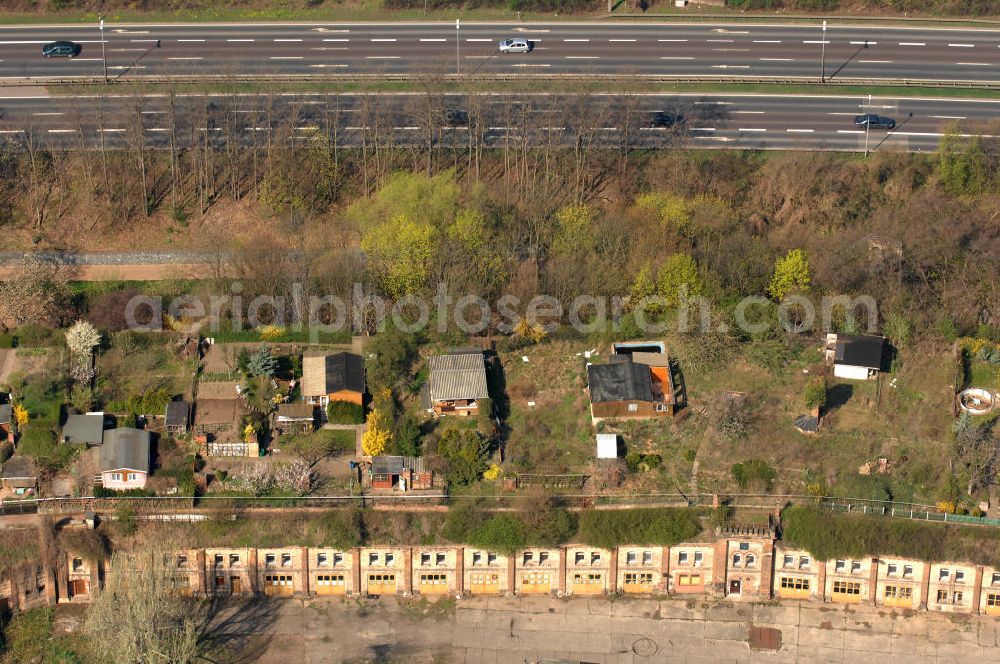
741	121
664	49
498	630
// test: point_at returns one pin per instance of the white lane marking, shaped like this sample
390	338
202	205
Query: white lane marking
973	64
307	128
750	112
286	57
128	67
383	40
190	40
713	103
850	131
776	59
530	65
325	65
286	40
659	40
730	66
188	58
61	131
153	112
112	131
962	45
336	40
477	57
239	40
817	41
554	128
583	57
702	128
158	129
721	41
799	131
912	44
53	113
864	43
433	40
134	41
381	57
327	48
875	62
949	117
752	129
621	40
676	57
479	40
576	40
11	131
766	41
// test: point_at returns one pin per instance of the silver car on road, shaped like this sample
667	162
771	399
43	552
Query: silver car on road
516	45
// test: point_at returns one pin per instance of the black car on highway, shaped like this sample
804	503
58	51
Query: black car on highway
61	49
665	120
872	121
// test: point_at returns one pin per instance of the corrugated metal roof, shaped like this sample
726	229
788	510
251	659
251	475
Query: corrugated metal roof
325	374
394	465
125	448
296	411
457	376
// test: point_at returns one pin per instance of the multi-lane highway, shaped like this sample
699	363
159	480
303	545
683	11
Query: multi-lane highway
611	121
805	51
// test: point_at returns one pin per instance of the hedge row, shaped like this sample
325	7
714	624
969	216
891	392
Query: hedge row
828	536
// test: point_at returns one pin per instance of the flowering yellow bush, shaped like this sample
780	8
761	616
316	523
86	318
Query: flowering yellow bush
20	415
492	473
249	432
271	332
375	438
946	506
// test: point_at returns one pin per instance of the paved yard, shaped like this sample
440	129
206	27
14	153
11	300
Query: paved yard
520	630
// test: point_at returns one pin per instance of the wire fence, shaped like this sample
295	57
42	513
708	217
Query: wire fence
175	505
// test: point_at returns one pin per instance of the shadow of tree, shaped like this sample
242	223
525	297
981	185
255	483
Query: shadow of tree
236	629
838	396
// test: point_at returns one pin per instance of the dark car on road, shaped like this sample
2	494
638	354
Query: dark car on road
61	49
665	120
873	121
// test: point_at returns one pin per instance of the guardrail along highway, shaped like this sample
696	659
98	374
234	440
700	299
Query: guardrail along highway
800	51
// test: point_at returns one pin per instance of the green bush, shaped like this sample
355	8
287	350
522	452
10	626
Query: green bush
345	412
754	473
504	533
37	441
6	340
828	536
342	529
103	492
610	528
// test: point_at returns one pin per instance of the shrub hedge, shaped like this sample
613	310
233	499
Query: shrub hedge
828	536
610	528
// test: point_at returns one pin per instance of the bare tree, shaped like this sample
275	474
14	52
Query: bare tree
139	617
36	292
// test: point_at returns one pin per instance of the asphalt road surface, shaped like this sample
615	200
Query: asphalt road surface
604	120
406	48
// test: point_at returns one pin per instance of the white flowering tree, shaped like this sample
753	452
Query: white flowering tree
81	339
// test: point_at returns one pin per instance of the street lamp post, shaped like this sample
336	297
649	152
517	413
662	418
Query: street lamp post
822	57
104	55
868	124
458	67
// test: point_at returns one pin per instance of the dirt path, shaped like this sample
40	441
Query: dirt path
151	272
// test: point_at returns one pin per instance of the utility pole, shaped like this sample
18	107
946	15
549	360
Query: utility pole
104	54
868	124
458	42
822	57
